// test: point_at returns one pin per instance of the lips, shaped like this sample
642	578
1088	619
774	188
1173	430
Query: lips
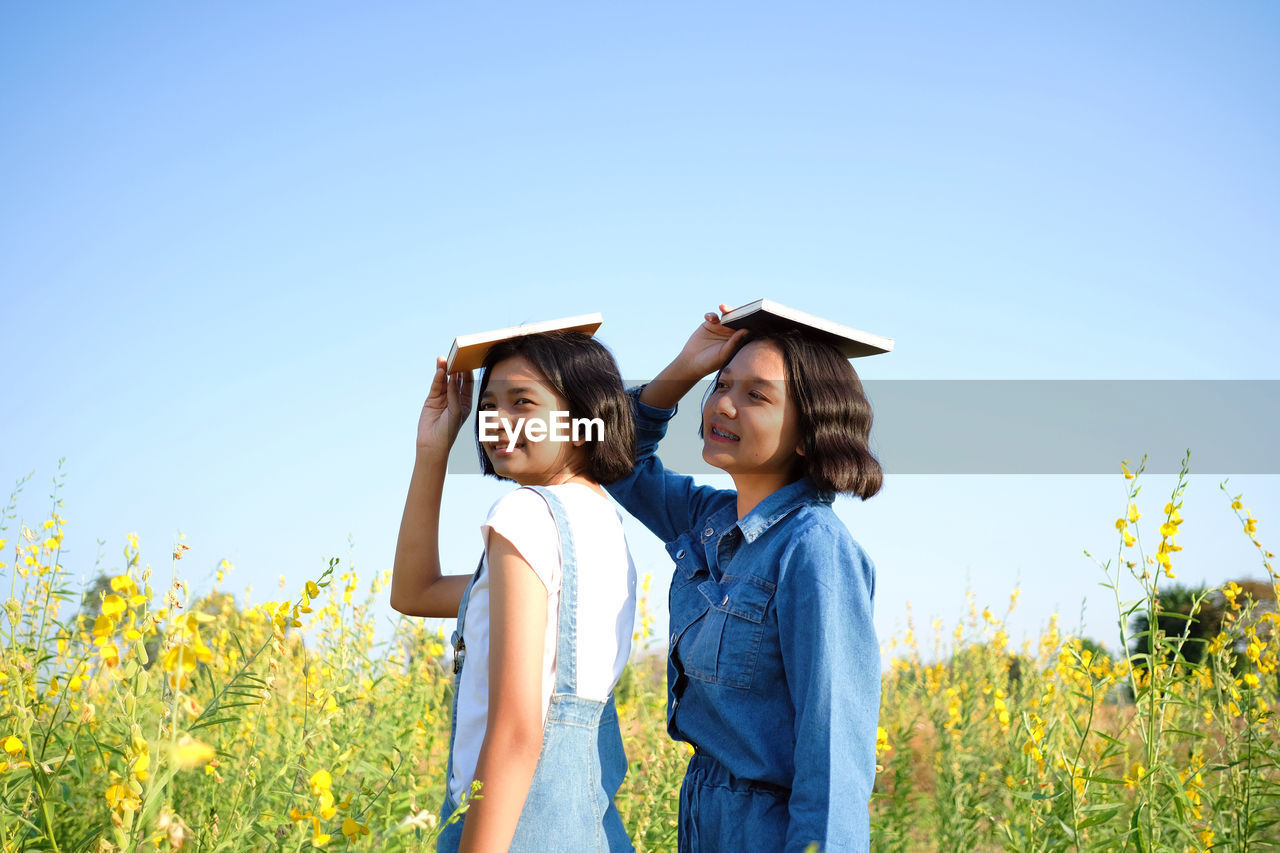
724	433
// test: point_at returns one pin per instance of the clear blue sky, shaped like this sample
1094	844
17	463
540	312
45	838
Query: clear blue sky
234	237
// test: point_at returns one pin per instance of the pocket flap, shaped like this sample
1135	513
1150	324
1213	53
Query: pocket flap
746	596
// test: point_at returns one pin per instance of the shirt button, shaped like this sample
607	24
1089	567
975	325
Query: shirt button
726	601
680	554
708	531
673	639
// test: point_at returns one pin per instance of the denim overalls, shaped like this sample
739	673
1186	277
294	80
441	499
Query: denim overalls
570	803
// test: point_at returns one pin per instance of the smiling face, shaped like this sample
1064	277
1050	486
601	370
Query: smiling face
750	426
515	389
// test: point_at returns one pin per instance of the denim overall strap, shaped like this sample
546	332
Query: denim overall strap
457	641
459	656
567	641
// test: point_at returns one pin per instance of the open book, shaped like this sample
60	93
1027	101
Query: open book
468	351
765	315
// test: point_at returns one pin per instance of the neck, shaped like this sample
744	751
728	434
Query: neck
568	475
753	488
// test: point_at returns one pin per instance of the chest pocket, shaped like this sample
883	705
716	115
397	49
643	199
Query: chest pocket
726	643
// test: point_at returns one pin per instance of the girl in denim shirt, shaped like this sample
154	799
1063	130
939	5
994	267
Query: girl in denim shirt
773	669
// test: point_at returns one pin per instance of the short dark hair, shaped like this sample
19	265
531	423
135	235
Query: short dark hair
833	410
582	371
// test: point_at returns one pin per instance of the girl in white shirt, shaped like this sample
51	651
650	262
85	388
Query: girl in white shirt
545	622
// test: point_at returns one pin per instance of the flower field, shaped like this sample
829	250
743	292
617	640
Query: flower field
137	717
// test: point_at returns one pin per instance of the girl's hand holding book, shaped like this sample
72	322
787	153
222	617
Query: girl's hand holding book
709	346
446	409
706	351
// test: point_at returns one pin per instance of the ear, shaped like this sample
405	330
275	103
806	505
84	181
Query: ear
800	450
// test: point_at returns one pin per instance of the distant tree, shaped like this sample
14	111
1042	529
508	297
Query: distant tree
91	598
1187	625
1093	647
1177	614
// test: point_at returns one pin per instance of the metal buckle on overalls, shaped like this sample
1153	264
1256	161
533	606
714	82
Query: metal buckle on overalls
459	652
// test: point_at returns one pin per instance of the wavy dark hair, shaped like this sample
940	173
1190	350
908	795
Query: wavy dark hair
834	414
584	373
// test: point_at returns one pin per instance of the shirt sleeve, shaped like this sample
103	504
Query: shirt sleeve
832	663
665	502
524	519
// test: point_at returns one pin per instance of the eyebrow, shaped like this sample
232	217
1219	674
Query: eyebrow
489	392
755	381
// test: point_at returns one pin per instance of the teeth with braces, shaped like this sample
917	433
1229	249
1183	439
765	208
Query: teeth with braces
724	434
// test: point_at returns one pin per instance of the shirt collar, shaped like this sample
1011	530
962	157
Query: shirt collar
779	504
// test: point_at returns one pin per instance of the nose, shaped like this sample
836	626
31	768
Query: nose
721	404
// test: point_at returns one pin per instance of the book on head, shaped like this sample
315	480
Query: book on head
468	351
765	315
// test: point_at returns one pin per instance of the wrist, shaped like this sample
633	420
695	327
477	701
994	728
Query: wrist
681	369
430	454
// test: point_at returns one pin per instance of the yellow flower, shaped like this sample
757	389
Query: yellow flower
321	781
190	753
1124	466
12	745
353	830
1134	776
112	605
1134	515
121	798
182	658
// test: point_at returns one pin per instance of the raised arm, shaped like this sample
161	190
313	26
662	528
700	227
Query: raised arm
417	586
666	502
704	353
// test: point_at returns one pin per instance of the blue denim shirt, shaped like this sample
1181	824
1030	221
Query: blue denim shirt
773	668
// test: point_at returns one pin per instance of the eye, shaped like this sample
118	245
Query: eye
487	405
756	395
721	385
524	401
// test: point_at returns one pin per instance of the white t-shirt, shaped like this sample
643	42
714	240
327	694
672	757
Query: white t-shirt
606	606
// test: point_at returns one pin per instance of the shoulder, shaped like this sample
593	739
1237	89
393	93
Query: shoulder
820	549
523	518
518	502
518	514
